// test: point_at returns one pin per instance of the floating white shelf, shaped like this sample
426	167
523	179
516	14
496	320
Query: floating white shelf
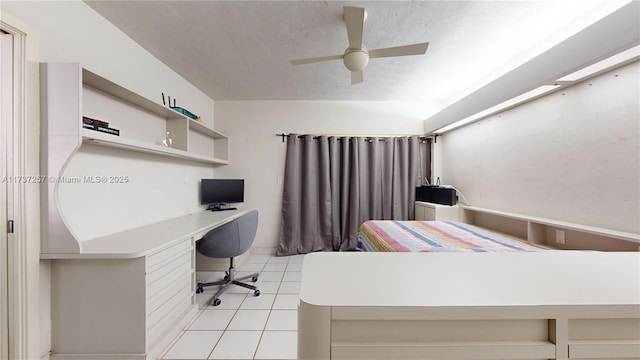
178	124
196	126
102	139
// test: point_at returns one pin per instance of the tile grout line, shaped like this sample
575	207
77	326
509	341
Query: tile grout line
238	308
255	354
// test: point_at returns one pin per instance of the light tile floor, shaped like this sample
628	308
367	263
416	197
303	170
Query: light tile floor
244	326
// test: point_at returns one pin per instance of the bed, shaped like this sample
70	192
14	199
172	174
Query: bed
396	301
435	236
564	305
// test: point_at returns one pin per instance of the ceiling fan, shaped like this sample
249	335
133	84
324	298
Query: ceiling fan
356	57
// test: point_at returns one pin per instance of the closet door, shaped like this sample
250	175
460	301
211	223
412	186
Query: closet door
6	193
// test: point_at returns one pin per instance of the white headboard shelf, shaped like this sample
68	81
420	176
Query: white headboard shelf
560	234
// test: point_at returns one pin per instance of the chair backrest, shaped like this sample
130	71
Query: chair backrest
230	239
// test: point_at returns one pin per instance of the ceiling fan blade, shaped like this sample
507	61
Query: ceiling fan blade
354	18
356	77
415	49
314	60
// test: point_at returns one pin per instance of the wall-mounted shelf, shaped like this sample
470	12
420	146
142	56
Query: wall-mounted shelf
543	231
193	138
101	139
69	93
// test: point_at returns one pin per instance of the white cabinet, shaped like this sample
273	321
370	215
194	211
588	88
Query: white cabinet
429	212
122	308
170	280
126	295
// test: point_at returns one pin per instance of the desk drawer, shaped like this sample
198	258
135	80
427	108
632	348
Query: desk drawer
169	280
168	315
158	308
162	257
164	286
178	261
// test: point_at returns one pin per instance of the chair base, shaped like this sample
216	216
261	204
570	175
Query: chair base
229	279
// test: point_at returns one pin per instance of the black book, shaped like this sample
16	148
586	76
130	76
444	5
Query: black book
103	129
90	121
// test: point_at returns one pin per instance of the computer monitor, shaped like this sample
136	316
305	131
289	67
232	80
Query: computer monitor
219	193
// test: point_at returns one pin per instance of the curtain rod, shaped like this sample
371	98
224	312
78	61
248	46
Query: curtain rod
421	137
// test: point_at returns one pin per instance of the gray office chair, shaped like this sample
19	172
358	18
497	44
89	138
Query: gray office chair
228	241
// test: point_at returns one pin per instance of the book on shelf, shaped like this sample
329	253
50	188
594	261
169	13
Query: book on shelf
103	129
96	122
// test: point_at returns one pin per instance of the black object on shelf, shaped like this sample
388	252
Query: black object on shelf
436	194
96	122
185	112
103	129
218	207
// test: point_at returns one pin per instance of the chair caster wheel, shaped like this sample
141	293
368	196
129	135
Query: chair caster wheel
256	292
216	302
199	290
254	279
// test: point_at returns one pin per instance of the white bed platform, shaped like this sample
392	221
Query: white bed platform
545	305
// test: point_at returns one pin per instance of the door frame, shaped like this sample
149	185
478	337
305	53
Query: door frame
6	205
23	245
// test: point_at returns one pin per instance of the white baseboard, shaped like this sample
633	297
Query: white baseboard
98	357
263	250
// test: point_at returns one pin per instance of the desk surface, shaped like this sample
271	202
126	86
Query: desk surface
549	278
148	239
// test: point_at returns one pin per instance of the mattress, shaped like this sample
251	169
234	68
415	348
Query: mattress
435	236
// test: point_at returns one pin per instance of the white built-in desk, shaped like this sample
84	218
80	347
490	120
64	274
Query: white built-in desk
145	240
126	295
544	305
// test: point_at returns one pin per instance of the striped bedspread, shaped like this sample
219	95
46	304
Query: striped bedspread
435	236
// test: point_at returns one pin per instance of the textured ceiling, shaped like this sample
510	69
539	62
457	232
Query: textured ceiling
240	50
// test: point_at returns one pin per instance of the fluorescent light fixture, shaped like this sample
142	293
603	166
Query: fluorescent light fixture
614	61
535	93
604	65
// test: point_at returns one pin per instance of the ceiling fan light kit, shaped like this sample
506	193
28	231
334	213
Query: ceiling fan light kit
356	57
356	60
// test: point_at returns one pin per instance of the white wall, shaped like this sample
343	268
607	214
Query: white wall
573	155
70	31
258	155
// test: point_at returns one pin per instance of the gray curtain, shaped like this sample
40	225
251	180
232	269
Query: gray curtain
334	184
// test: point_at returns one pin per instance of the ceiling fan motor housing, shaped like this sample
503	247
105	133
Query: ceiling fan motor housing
356	59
